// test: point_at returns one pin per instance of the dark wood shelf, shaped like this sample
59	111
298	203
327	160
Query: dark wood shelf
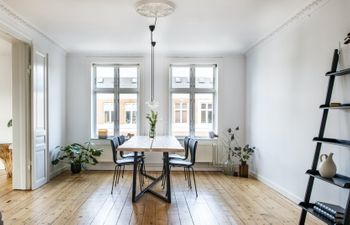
342	106
332	141
338	180
310	208
339	73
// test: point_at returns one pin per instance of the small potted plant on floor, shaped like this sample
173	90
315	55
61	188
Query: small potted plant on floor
243	153
78	155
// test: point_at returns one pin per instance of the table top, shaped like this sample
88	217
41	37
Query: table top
157	144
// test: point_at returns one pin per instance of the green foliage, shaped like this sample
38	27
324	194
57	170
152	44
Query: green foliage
243	153
152	119
77	153
9	123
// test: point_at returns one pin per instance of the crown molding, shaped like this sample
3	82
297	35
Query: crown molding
304	12
15	17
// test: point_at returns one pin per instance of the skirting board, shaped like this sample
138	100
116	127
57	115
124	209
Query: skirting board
294	198
57	172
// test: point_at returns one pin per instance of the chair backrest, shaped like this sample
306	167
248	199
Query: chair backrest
114	145
121	140
192	146
186	140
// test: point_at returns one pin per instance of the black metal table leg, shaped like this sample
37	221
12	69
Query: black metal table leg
167	176
134	178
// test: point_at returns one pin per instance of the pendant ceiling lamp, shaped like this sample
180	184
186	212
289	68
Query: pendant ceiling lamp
154	9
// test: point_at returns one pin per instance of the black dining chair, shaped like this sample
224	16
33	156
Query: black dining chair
121	140
177	156
119	163
188	164
141	155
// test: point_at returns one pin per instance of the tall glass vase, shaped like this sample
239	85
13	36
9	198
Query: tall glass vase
229	165
152	132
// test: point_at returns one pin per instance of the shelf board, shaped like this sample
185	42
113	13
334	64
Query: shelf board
309	208
339	73
338	180
332	141
342	106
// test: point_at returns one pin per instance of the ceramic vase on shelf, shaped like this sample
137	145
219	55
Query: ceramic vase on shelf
327	168
229	166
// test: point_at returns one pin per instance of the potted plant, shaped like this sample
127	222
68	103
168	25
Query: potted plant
243	153
152	119
78	155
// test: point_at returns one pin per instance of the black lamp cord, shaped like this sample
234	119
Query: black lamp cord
153	44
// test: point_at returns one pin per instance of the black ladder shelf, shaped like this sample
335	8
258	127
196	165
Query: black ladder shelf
338	180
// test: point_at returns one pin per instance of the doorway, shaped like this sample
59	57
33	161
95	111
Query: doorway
27	117
6	138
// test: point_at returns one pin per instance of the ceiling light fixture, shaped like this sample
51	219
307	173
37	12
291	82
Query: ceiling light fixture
154	9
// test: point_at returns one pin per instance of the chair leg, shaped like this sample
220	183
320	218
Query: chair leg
118	174
115	168
185	173
189	178
194	180
123	171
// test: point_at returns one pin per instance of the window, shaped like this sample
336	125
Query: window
192	95
206	112
115	89
109	112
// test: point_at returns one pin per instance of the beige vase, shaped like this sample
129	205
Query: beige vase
327	168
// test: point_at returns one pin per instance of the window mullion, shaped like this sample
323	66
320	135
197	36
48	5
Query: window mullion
94	100
116	100
192	101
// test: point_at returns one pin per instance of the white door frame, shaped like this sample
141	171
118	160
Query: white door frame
21	105
21	92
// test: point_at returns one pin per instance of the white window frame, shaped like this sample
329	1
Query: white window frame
206	110
192	91
181	110
132	112
116	90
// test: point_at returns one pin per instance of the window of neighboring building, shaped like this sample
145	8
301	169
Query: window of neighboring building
192	95
115	89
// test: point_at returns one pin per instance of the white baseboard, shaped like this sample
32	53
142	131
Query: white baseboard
294	198
57	172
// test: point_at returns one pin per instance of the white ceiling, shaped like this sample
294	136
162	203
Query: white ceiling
196	27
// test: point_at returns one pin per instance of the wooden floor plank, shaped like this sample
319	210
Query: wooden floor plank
86	199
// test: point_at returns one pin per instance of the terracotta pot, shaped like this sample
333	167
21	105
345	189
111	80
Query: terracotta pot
243	169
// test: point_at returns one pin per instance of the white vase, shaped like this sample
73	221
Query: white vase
327	168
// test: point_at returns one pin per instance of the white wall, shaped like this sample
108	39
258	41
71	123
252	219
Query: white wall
231	92
11	24
285	86
5	91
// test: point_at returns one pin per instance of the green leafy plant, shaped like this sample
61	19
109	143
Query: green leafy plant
78	154
152	119
243	153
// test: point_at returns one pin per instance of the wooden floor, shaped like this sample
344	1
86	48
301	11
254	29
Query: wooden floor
86	199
